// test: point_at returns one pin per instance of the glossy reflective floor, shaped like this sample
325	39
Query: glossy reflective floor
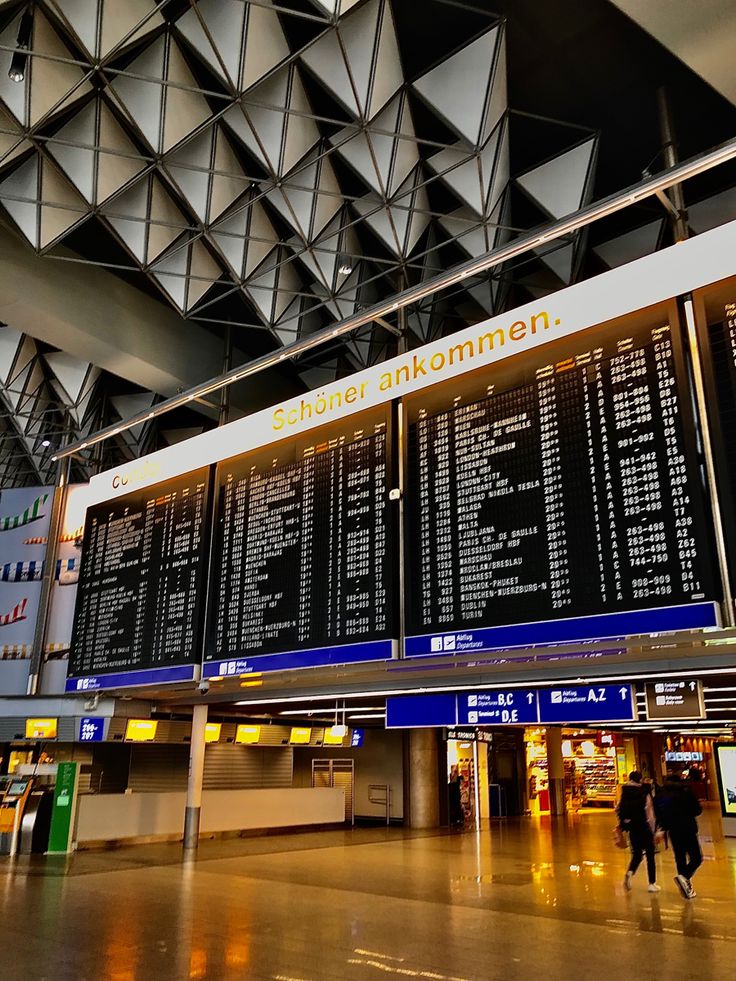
529	899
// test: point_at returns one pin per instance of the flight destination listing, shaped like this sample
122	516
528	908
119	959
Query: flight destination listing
574	494
141	579
303	552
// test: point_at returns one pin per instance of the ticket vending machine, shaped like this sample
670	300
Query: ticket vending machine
15	795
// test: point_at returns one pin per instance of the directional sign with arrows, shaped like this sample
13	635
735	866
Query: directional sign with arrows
676	698
587	703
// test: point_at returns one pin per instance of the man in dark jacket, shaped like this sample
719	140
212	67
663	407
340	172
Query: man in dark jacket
635	815
677	809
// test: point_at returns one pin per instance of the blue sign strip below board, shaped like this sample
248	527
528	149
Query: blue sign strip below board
514	706
491	708
587	703
375	650
604	626
132	679
411	711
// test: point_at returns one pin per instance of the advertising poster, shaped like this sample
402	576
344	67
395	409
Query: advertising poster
25	513
726	757
64	594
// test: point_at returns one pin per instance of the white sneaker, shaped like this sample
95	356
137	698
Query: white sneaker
691	894
653	887
627	881
684	886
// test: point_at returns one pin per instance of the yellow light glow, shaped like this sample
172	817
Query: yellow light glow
567	747
212	732
141	730
587	748
247	734
41	728
333	738
300	735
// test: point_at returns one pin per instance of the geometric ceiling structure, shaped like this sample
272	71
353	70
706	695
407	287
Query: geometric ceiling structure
265	168
224	149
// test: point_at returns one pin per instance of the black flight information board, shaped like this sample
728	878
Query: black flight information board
140	586
722	345
574	494
302	559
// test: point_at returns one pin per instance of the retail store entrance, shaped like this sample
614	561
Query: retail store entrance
595	762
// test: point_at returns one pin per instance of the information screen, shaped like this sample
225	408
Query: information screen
574	493
142	580
722	343
302	551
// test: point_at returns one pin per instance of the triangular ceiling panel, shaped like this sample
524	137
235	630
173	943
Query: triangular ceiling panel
124	23
161	95
243	42
55	82
246	236
559	259
70	375
12	141
359	62
276	122
62	206
447	86
96	173
310	197
559	185
73	149
19	193
631	245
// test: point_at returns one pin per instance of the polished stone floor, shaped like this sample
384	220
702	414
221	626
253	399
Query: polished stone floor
538	900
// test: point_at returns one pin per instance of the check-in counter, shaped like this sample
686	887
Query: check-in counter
116	818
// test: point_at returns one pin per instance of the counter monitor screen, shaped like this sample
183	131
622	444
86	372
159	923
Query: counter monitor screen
302	550
142	578
574	493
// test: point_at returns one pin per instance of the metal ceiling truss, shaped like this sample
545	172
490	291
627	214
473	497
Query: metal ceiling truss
272	168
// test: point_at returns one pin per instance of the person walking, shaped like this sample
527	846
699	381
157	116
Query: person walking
636	816
677	810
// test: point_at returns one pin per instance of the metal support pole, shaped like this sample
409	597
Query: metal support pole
40	634
196	775
476	784
709	461
227	364
669	150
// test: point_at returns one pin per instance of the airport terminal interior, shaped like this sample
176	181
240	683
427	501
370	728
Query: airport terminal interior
367	490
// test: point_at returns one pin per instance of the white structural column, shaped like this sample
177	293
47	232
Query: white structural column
196	775
424	789
556	771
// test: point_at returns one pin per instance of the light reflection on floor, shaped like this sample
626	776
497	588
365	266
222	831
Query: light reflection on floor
524	900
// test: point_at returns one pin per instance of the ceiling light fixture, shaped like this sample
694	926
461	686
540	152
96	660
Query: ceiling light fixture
19	61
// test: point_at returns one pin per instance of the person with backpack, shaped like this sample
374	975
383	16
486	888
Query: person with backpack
636	816
677	810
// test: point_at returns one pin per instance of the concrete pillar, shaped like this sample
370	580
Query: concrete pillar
196	775
424	788
556	771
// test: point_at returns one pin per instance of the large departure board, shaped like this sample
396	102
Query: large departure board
142	580
302	555
722	345
575	493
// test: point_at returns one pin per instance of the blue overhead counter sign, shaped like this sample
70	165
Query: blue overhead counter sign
490	708
587	703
